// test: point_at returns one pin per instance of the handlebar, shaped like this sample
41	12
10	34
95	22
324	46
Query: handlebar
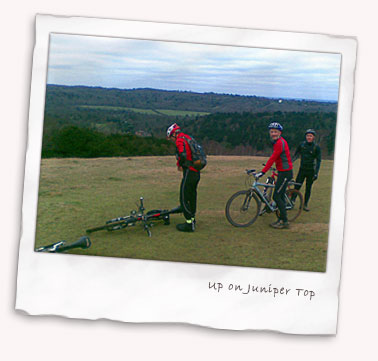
252	172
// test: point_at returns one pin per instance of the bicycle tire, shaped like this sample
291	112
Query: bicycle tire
238	197
294	213
113	225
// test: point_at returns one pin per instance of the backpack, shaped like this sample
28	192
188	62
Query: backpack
199	160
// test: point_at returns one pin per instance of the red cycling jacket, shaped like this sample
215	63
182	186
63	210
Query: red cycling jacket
281	156
184	153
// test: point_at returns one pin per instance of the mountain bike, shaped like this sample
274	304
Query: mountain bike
62	246
244	207
146	220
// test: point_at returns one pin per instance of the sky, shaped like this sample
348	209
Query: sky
129	63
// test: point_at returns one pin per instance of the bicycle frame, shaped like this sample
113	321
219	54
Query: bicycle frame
262	195
146	217
255	187
138	216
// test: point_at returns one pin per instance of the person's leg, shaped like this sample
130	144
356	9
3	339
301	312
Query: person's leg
189	200
300	179
184	200
194	180
279	194
309	182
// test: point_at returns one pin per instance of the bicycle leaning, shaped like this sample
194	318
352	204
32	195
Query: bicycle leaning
244	207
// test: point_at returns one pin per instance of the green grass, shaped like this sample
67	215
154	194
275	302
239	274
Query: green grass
77	194
180	113
169	112
108	107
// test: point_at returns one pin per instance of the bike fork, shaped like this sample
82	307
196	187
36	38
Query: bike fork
246	202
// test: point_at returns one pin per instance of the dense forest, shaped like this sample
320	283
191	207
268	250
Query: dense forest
178	100
246	133
100	122
73	141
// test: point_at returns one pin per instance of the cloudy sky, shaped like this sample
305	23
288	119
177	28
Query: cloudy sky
127	64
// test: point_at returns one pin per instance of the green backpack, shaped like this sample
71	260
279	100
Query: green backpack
199	160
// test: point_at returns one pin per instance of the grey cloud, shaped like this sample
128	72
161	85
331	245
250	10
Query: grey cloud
126	63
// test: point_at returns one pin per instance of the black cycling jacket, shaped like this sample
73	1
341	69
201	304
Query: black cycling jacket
310	155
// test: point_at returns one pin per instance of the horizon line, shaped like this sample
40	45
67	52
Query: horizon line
196	92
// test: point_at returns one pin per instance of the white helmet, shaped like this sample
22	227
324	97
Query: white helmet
275	125
172	129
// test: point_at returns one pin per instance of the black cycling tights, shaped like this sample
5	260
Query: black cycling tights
279	192
307	175
188	193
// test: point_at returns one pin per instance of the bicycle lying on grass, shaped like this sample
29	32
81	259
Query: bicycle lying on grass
62	246
138	216
243	207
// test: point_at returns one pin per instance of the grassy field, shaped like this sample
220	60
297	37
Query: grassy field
180	113
77	194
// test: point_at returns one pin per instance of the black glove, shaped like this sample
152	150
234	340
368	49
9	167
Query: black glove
315	177
259	174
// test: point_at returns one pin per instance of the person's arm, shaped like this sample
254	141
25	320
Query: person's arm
277	150
318	160
181	159
178	162
297	153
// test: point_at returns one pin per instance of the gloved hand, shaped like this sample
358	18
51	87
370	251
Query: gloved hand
259	174
315	177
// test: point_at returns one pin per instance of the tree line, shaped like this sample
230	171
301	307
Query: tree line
76	142
72	129
178	100
247	133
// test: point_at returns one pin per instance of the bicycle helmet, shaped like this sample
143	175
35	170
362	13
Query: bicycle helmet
275	125
310	131
172	129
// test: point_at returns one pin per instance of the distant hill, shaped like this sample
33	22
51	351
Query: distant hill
177	100
114	122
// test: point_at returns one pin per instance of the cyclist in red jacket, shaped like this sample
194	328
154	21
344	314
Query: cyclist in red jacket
284	165
190	179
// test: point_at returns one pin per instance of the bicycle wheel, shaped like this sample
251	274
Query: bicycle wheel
293	209
114	225
243	208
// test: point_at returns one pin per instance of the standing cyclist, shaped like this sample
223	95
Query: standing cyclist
280	156
190	179
311	157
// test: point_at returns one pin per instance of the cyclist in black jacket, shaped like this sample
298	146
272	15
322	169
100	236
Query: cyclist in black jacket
310	155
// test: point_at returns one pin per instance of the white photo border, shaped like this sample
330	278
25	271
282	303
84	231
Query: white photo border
158	291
